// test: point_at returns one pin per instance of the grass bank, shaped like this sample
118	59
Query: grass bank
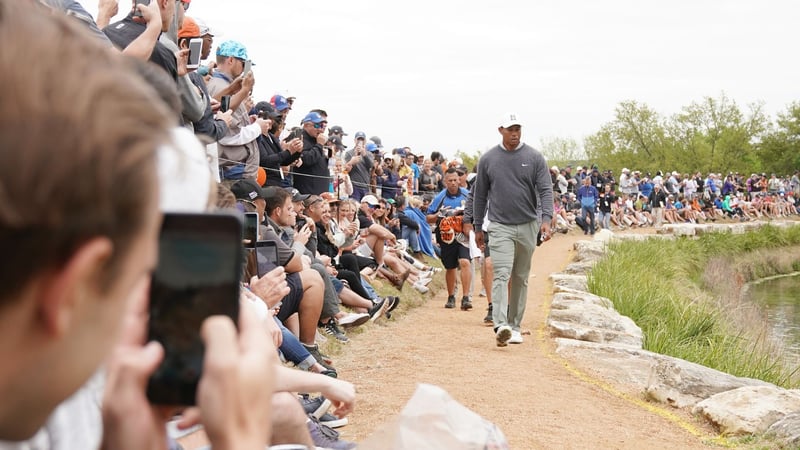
685	294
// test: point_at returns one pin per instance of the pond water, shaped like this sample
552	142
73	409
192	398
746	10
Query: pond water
780	298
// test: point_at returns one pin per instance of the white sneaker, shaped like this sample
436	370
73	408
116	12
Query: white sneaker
424	281
502	335
353	319
421	287
516	337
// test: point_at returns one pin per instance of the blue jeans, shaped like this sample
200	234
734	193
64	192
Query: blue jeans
293	350
590	211
605	219
412	237
368	287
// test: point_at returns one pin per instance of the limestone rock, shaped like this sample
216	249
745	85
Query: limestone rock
680	229
624	365
750	409
580	267
786	431
562	300
560	280
682	383
590	322
603	235
589	250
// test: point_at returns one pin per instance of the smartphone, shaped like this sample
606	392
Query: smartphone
225	103
136	12
195	50
266	256
197	276
250	232
247	66
295	133
301	221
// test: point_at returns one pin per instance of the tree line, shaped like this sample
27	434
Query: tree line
712	135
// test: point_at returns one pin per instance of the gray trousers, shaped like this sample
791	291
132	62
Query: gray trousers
511	247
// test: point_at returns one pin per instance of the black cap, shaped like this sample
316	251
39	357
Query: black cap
336	129
266	109
296	195
247	190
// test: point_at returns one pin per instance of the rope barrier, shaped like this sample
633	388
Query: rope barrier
293	174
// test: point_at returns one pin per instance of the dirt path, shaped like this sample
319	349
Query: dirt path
529	392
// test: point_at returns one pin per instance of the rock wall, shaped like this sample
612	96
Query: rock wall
586	327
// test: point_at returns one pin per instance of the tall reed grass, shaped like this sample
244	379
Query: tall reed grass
685	294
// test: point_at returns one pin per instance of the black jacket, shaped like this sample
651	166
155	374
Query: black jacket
313	177
272	157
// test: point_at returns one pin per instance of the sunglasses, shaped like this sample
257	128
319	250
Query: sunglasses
320	125
376	207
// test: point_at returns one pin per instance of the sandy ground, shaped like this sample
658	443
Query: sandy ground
538	399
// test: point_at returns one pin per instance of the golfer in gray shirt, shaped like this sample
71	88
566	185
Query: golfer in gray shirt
513	177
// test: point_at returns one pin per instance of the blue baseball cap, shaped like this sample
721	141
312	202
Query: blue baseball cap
371	147
313	117
280	102
232	48
361	135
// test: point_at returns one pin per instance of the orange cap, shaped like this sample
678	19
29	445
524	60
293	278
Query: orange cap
189	28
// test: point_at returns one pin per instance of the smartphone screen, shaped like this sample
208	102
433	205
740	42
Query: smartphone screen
266	256
197	276
250	229
225	103
195	51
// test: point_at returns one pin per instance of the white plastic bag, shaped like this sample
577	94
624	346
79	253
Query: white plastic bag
432	419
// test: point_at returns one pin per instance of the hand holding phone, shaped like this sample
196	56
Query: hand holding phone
198	276
195	51
136	11
271	286
238	381
225	103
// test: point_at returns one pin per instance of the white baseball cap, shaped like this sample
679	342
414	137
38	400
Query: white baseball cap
509	120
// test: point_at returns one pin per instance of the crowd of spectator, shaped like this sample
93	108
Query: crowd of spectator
637	199
340	218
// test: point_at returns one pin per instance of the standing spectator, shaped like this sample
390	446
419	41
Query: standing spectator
588	196
157	16
313	176
516	220
389	179
437	160
689	187
238	151
657	201
272	153
711	191
411	161
359	165
428	178
607	199
561	184
446	211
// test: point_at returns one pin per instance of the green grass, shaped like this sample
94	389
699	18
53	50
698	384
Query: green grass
685	295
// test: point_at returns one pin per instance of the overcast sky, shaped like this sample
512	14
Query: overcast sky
437	75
